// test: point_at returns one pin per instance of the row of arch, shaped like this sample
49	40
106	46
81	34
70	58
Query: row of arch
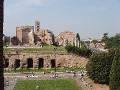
29	63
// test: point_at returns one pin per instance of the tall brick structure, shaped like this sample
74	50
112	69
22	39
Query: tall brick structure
37	26
43	35
35	36
39	35
22	34
1	46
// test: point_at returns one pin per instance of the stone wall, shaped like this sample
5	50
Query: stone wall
45	36
46	60
67	37
22	33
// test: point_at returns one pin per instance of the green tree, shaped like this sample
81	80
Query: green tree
99	67
78	36
6	40
78	51
115	72
113	42
105	37
78	39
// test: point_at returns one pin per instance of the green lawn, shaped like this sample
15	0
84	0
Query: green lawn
48	49
44	70
62	84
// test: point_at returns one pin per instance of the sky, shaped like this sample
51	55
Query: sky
89	18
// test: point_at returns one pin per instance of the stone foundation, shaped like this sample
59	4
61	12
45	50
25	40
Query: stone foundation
44	61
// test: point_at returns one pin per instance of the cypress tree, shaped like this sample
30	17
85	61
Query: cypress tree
115	72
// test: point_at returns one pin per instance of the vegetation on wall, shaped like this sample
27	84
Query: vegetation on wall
78	51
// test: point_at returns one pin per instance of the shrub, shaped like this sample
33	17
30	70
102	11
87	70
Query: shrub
99	67
113	42
115	72
78	51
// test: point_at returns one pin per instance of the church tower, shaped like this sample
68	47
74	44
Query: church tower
37	26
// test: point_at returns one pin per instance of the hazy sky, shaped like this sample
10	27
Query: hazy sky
90	18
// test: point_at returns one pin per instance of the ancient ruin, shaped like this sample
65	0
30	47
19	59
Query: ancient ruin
22	34
35	36
67	37
12	61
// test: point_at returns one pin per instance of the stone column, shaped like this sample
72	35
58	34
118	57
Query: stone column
35	62
23	63
47	62
11	63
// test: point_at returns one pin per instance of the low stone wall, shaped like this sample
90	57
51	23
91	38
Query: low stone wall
43	61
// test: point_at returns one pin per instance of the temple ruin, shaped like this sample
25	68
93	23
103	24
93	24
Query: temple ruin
12	61
36	36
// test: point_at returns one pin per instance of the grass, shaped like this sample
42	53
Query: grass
44	70
61	84
47	49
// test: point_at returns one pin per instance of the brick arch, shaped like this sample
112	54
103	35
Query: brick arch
40	62
53	63
29	62
17	63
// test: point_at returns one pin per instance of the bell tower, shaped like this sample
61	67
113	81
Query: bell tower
37	26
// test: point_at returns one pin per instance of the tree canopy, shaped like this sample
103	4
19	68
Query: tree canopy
112	42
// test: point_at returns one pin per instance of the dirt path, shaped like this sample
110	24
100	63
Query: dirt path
100	87
88	84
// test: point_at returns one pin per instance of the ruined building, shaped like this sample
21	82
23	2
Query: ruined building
34	35
18	61
67	37
43	35
22	34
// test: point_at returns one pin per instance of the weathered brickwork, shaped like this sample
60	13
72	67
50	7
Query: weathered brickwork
67	37
22	34
40	36
43	61
44	36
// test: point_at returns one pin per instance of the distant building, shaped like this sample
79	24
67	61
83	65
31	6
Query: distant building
22	34
34	34
67	37
37	26
43	35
